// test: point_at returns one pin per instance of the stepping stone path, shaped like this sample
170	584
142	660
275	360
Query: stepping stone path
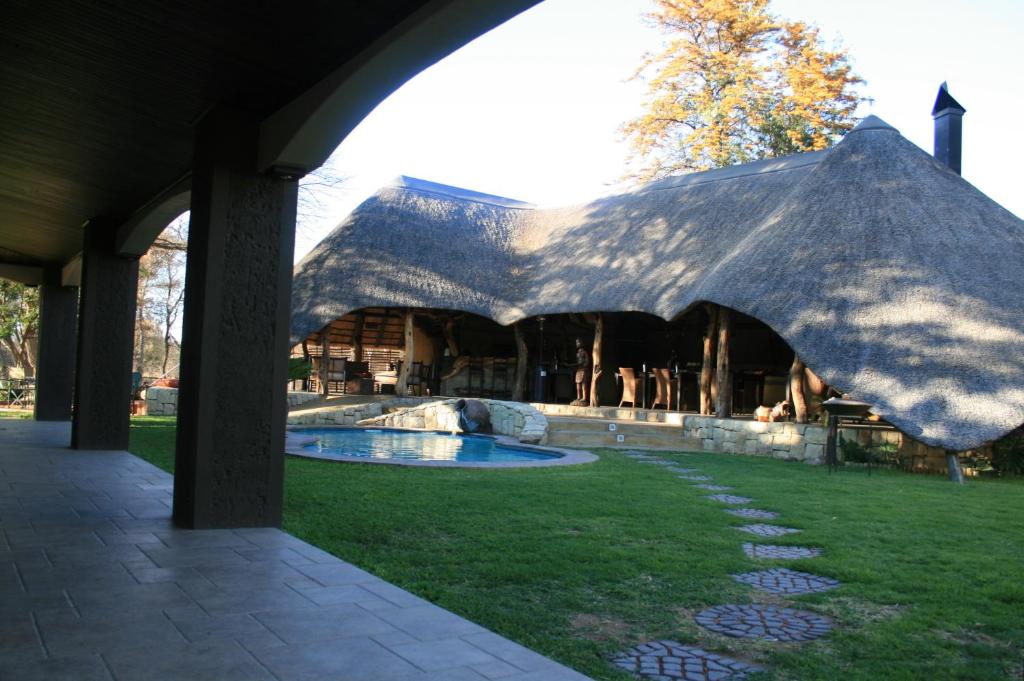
729	499
763	530
768	622
774	551
786	582
753	513
667	660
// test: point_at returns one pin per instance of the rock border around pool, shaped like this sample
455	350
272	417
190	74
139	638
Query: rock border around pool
295	441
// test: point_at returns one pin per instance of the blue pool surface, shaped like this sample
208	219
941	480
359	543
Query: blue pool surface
403	445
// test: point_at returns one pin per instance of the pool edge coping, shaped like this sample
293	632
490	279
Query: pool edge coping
566	457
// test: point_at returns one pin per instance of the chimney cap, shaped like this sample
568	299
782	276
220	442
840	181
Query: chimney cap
944	101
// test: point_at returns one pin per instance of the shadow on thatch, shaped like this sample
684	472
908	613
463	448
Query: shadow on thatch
892	277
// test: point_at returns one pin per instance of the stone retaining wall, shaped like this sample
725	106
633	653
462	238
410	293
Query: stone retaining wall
162	401
782	440
516	419
297	397
351	414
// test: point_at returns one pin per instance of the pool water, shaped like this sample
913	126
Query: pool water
374	443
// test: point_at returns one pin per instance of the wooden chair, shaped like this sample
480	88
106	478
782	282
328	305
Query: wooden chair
663	388
415	380
499	378
630	382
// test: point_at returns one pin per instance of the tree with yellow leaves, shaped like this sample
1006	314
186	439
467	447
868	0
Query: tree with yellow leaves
736	84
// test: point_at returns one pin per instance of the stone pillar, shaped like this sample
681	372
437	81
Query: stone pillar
106	338
55	366
234	354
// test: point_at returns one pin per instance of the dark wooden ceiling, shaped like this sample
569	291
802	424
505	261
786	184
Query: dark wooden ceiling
98	98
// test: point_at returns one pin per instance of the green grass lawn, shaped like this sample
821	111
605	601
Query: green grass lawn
15	414
582	561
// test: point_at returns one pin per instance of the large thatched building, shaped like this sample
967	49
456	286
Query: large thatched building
892	277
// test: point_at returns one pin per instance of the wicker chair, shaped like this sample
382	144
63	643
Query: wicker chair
630	382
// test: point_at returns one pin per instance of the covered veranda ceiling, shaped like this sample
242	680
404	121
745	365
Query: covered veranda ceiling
98	99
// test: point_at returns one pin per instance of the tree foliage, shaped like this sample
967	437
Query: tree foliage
19	317
161	293
735	84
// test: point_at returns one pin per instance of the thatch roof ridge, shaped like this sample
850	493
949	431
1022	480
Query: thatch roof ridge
894	278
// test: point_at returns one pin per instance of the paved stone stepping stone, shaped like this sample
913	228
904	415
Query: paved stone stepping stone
774	551
768	622
786	582
714	488
764	530
753	513
667	660
695	478
729	499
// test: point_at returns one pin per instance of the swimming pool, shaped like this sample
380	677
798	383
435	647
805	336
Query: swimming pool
410	446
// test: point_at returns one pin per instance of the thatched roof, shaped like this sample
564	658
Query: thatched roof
892	277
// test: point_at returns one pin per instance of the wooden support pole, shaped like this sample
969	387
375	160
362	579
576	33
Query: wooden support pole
325	360
449	337
403	376
357	338
816	386
595	359
796	389
707	370
723	373
521	354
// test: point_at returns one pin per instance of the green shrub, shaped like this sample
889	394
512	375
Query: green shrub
854	452
299	369
1008	454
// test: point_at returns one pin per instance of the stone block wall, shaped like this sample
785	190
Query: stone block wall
161	401
782	440
297	397
347	415
515	419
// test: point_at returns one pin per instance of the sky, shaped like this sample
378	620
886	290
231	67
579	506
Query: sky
531	110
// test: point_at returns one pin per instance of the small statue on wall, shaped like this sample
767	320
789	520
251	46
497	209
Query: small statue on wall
582	365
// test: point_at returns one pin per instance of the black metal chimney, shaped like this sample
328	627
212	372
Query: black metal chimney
948	115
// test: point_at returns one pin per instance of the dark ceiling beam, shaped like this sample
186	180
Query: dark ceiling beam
24	274
71	273
300	136
139	231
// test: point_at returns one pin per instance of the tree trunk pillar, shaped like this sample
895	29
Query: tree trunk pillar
55	366
595	360
357	338
723	372
521	360
325	361
106	342
403	375
707	369
796	389
232	403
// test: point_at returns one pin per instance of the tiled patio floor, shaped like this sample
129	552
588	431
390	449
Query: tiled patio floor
96	583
